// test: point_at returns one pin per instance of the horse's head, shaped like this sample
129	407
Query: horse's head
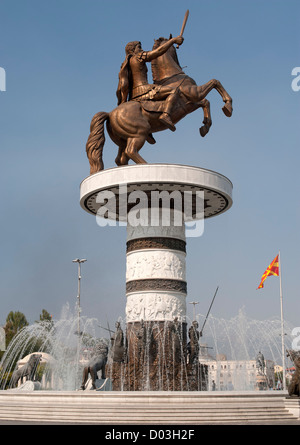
171	51
159	41
166	65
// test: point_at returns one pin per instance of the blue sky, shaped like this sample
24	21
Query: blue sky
62	60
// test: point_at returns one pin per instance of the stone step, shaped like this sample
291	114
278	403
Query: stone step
153	408
113	420
150	410
141	417
133	400
122	414
146	410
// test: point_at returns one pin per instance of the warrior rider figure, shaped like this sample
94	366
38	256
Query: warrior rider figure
133	80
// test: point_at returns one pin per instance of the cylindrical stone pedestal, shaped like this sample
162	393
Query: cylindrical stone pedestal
154	350
156	291
155	273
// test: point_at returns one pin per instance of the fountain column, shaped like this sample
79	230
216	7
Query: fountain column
156	285
156	292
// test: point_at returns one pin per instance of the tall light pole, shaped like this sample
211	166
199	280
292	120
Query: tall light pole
194	303
77	260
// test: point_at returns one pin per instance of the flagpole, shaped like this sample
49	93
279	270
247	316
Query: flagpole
282	328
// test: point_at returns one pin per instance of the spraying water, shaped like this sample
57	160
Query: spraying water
239	338
68	349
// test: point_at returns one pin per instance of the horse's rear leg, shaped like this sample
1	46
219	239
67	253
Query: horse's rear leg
205	104
133	147
122	158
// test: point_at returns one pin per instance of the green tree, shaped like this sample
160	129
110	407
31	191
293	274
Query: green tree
45	317
15	321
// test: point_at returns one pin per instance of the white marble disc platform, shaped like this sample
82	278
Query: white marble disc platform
217	188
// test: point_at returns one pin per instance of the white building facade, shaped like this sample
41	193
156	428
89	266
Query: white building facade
237	375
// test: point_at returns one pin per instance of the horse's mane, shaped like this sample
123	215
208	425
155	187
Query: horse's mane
172	51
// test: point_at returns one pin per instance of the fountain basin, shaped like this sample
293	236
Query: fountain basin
146	408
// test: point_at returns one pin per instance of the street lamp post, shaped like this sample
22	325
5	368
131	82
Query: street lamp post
194	312
77	260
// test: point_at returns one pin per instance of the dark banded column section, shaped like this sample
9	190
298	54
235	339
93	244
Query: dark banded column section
156	285
156	243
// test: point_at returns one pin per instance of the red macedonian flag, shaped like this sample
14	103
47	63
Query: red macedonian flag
273	269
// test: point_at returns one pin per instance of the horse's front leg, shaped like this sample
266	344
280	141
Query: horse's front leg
197	93
216	84
207	117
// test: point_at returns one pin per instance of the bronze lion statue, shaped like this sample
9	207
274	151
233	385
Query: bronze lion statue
28	370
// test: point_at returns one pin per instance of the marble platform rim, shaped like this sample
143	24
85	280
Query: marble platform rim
143	166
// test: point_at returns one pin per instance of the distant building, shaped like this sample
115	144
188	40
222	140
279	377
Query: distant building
238	375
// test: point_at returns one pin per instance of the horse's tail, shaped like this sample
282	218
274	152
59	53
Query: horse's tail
95	142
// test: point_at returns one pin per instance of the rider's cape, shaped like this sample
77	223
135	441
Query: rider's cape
124	82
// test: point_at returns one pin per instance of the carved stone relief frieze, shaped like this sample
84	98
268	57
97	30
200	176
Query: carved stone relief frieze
155	264
155	306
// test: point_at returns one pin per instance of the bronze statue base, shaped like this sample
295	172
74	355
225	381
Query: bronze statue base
156	359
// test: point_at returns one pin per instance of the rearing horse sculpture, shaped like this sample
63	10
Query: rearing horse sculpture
132	123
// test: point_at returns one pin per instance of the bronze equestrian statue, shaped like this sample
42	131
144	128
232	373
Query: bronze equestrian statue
143	108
